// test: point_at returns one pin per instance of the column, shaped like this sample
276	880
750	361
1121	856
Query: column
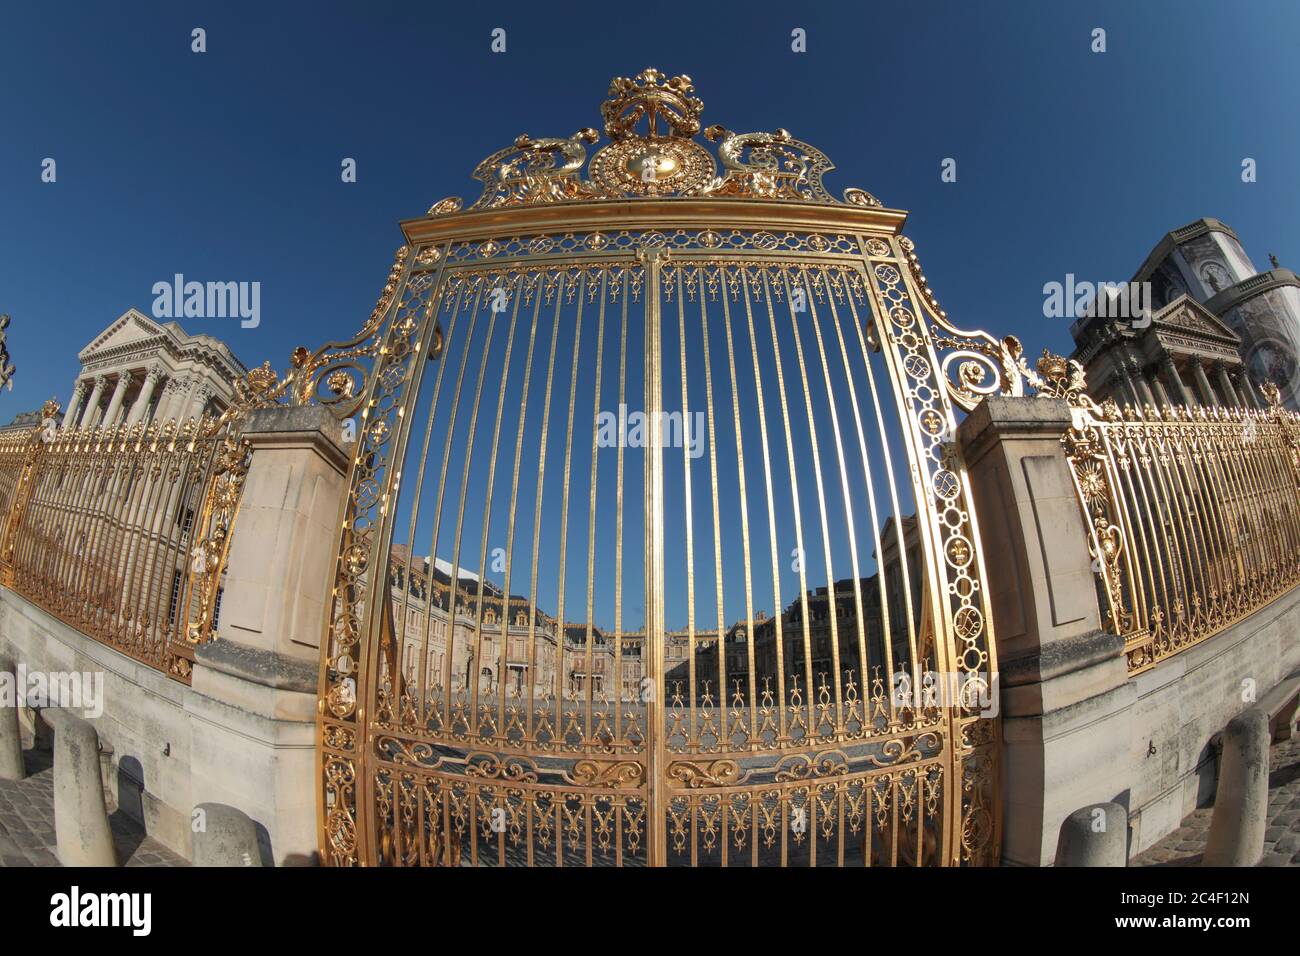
91	414
201	394
1066	701
78	393
140	407
1245	390
1114	389
1135	372
1132	396
119	395
1225	385
1203	383
253	702
1160	390
173	395
1176	381
180	398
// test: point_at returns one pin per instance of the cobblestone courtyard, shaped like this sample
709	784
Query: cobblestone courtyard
1185	845
27	823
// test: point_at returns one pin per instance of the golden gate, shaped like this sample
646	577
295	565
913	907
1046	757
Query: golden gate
711	645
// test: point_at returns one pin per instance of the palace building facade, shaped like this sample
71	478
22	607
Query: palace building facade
138	371
1218	329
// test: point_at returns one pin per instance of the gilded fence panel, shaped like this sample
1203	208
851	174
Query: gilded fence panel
1194	514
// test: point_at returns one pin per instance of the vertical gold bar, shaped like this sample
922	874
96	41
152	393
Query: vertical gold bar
537	525
422	687
814	723
378	588
1180	462
719	602
472	678
591	519
619	730
541	278
487	522
863	653
744	517
784	735
844	491
560	620
689	503
1212	558
893	819
905	572
1137	550
755	742
652	258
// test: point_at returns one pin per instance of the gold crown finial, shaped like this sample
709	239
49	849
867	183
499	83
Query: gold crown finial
652	120
652	97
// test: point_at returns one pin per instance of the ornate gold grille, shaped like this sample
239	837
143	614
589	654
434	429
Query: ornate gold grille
122	531
1194	516
683	647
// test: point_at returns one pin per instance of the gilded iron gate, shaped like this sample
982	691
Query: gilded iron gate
658	548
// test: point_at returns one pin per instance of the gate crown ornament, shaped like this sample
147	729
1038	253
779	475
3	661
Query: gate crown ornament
663	161
648	96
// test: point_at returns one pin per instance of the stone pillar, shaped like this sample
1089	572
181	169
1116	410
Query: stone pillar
227	837
140	407
119	395
11	743
81	830
78	393
1176	381
1203	383
172	398
184	394
1245	390
91	415
1225	385
253	705
1241	802
188	399
1065	696
1161	394
202	394
1133	396
1148	397
1096	835
1260	401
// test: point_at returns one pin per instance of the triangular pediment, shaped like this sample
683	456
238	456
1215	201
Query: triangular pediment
1186	315
131	326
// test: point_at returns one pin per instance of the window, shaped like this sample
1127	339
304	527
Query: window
176	596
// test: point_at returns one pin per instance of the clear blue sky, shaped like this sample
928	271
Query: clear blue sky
226	165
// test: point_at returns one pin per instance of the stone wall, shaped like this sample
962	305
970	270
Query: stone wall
1076	728
144	718
244	733
1182	702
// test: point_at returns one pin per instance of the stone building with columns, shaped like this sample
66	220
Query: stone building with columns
138	370
1218	329
1183	356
